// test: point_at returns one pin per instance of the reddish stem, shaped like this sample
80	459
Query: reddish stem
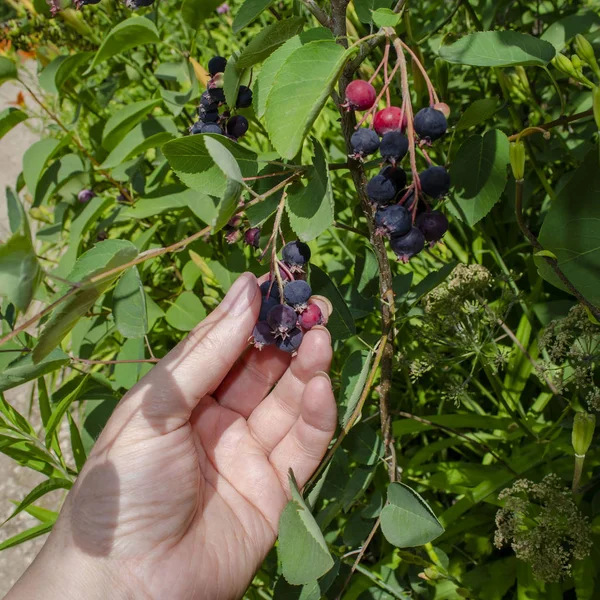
433	97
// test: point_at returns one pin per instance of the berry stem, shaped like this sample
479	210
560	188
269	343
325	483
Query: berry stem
433	97
386	57
385	54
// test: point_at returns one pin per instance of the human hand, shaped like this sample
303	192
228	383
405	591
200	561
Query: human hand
181	496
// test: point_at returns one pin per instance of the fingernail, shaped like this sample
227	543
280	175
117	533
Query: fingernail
323	374
324	304
240	296
322	328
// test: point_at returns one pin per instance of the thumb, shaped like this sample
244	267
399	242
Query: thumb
167	395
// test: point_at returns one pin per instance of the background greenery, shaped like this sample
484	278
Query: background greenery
478	381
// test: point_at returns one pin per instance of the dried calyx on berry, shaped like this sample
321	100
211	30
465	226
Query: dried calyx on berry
393	147
430	124
291	342
433	225
435	181
282	319
393	220
360	95
364	142
406	246
262	335
296	293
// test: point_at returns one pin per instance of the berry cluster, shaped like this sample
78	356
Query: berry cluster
210	120
398	213
285	312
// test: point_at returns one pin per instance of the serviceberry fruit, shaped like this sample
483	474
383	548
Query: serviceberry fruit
443	108
244	99
295	254
364	142
268	304
196	127
208	116
360	95
396	174
211	128
393	147
389	119
430	124
237	126
433	224
216	65
80	3
310	317
282	318
291	342
381	189
274	293
393	220
133	4
262	335
297	293
406	246
252	237
207	102
435	181
217	95
85	196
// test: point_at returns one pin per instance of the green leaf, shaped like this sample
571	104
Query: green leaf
479	174
35	159
315	590
478	112
340	324
61	69
407	520
9	118
563	30
15	210
570	231
38	491
95	418
8	70
299	93
150	133
191	160
430	282
498	49
15	417
310	206
58	174
102	257
176	100
186	312
131	33
354	377
23	369
248	12
79	453
129	305
195	12
121	122
386	17
302	548
366	8
60	410
41	514
27	535
268	40
546	253
232	79
364	444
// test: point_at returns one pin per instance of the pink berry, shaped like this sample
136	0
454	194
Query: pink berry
310	317
443	108
252	237
360	95
389	119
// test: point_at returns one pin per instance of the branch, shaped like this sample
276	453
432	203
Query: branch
551	124
317	12
87	361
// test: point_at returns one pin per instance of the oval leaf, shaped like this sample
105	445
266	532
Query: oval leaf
23	369
9	118
129	305
478	112
407	520
124	120
8	70
249	11
186	312
195	12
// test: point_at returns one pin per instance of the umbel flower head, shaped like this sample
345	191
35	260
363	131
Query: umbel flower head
543	526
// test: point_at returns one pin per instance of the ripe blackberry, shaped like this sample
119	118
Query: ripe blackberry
389	119
310	317
252	236
435	181
216	65
208	116
295	254
244	99
393	220
406	246
360	95
282	319
268	304
364	142
291	342
430	124
381	189
237	126
433	224
262	335
210	128
393	147
297	293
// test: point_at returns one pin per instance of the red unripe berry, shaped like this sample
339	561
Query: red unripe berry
310	317
389	119
360	95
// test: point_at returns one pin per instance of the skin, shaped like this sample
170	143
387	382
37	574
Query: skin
181	496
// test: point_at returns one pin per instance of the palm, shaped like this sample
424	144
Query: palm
195	489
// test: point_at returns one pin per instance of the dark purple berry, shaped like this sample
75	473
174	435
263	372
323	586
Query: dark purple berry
85	196
297	292
381	190
252	236
310	317
291	342
406	246
360	95
435	181
364	142
208	116
274	293
268	304
262	335
282	318
80	3
207	103
295	254
217	95
237	126
430	124
133	4
216	65
244	99
393	220
396	174
433	224
196	127
210	128
394	146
